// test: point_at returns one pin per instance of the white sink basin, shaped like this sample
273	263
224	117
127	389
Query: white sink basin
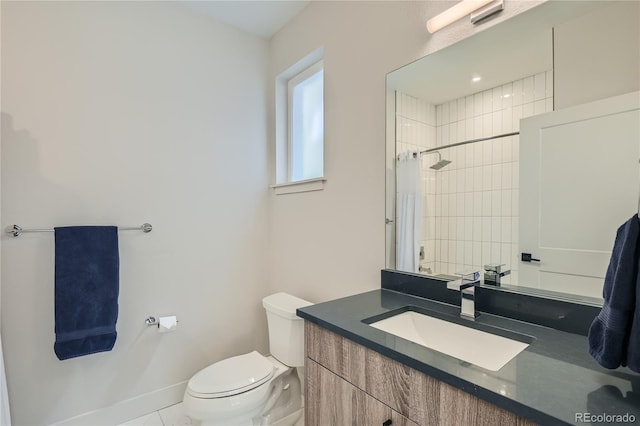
477	347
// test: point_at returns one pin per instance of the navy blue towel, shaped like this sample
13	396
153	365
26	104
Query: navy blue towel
86	289
613	336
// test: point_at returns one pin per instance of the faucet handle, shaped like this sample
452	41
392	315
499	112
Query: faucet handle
461	285
469	275
494	267
467	279
454	285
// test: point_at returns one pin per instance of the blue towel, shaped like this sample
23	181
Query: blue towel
611	337
86	289
633	348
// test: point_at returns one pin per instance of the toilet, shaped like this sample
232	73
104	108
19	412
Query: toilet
253	389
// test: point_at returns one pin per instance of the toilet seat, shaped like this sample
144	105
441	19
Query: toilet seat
231	376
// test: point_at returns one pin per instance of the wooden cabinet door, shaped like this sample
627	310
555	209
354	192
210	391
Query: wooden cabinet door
331	400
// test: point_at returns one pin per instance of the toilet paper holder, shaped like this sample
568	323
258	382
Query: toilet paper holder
151	321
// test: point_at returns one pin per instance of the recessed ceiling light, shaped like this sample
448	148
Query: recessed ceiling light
476	79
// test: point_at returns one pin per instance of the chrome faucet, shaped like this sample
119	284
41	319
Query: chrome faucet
467	287
493	273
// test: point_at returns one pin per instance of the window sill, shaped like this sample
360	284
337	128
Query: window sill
316	184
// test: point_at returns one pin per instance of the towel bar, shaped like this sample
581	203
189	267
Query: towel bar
17	230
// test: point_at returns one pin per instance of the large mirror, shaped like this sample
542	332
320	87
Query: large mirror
515	152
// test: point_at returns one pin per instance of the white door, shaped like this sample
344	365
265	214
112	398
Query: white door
579	182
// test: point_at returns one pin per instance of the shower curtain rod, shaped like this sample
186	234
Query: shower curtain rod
504	135
16	230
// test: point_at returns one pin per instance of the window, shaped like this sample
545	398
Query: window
306	124
300	126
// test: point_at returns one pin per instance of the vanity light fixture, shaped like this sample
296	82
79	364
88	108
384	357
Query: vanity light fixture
460	10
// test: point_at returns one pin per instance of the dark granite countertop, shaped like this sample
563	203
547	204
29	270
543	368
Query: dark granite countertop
550	382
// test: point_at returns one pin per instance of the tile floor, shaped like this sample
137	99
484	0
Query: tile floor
170	416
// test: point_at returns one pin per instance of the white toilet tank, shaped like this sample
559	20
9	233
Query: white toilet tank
286	329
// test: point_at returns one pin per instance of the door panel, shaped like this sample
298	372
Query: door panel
578	184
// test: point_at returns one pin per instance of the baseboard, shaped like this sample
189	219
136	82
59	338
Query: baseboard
129	409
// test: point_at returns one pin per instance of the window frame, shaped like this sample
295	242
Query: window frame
304	67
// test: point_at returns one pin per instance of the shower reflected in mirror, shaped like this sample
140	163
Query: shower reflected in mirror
440	164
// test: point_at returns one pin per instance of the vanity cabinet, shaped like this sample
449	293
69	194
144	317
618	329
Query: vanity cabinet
348	384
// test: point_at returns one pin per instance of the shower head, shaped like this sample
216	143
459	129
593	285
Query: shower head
441	163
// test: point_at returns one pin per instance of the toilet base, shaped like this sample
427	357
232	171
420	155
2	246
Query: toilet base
289	407
293	419
282	405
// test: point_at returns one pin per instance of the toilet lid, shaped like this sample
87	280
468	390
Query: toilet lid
231	376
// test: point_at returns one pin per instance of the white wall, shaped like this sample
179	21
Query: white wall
331	243
597	55
121	113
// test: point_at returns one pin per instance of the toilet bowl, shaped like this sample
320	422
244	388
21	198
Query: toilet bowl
253	389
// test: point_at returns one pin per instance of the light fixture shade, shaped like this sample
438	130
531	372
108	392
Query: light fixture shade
455	12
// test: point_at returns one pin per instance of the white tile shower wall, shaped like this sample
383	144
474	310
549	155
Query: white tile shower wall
475	215
416	131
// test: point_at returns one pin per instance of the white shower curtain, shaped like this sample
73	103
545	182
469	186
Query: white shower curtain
409	211
5	416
